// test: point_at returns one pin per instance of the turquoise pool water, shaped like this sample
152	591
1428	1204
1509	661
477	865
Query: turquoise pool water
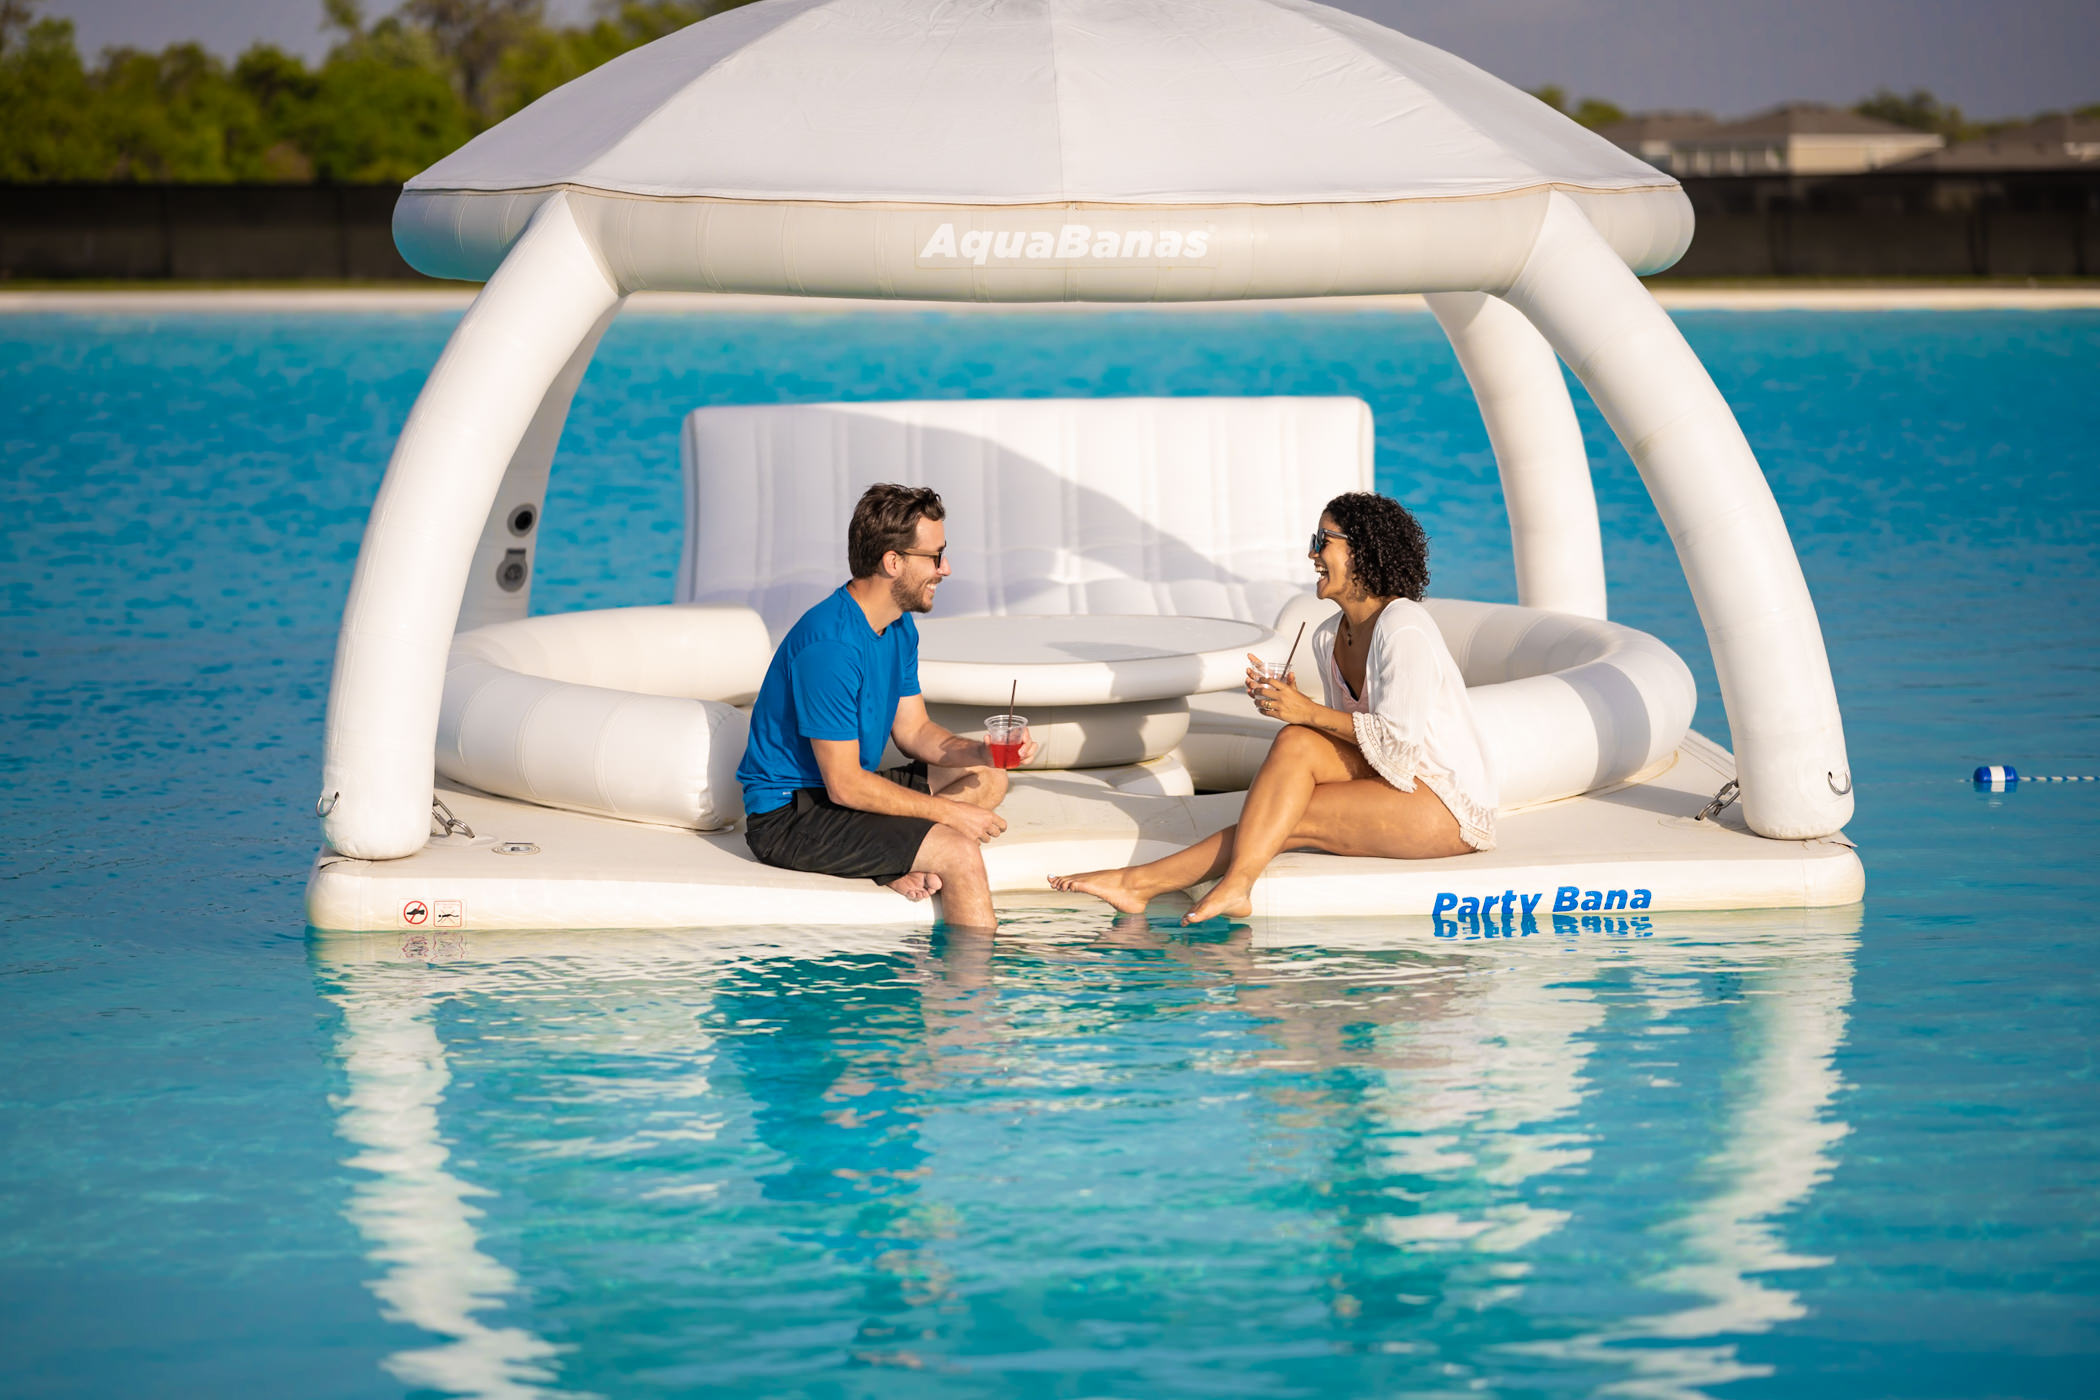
1846	1155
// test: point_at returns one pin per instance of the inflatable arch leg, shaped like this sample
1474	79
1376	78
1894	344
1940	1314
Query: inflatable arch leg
513	344
499	582
1715	502
1538	450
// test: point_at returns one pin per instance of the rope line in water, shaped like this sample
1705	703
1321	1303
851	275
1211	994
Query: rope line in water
1997	776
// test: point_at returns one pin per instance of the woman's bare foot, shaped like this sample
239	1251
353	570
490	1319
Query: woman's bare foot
1226	900
917	885
1112	885
1129	931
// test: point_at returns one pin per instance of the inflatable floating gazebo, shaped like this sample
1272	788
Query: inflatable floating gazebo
1116	556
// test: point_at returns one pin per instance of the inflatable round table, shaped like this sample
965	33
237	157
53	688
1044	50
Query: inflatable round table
1098	690
1085	660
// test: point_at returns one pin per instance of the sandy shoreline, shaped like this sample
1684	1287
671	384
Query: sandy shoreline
443	298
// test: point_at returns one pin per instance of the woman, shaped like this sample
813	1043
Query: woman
1398	770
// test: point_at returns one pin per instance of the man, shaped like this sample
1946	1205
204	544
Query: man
845	679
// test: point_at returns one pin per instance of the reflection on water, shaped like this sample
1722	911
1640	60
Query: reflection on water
413	1211
1093	1152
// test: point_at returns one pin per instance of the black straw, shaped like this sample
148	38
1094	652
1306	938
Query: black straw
1294	651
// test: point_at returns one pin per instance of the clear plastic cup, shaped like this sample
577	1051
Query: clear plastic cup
1277	671
1004	735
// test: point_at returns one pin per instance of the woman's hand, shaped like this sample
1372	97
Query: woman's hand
1257	678
1281	699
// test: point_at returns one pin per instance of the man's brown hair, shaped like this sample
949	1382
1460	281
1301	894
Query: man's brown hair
888	518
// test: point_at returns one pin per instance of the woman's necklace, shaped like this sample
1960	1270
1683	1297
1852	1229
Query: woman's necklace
1349	629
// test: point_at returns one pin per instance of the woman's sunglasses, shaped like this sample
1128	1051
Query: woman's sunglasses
1321	537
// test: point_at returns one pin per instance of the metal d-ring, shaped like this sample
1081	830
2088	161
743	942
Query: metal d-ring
1730	790
325	803
447	825
1832	779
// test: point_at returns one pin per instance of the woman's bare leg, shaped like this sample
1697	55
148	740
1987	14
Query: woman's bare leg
1299	761
1131	888
1298	757
1371	817
1312	791
1360	817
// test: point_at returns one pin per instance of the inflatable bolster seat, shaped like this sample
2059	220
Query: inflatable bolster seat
1566	704
625	712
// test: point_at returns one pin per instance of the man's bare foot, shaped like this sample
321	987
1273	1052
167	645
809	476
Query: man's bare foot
917	885
1111	885
1225	901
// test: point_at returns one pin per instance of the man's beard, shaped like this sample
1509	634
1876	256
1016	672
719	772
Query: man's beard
909	601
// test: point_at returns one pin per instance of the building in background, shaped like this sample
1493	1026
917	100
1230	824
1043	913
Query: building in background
1653	136
2052	143
1798	138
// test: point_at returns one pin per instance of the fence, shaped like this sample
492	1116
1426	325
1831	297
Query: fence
2009	224
199	233
2043	223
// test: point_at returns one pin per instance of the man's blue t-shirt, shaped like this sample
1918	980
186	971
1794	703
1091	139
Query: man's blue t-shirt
833	678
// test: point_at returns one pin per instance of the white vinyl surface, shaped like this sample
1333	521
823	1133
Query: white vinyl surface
1037	102
1088	660
1189	507
1039	150
587	872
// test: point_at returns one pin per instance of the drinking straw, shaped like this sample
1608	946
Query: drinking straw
1294	651
1014	695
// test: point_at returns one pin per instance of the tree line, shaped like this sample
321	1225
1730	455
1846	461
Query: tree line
393	94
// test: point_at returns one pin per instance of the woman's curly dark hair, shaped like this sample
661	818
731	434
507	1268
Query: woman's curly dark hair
1388	552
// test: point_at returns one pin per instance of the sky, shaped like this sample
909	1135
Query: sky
1992	58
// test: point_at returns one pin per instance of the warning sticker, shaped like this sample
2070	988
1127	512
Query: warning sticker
415	913
451	913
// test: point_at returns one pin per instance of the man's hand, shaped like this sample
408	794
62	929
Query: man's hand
917	735
974	822
1029	749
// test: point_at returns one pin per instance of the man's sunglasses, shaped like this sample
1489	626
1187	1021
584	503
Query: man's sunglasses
1321	537
933	554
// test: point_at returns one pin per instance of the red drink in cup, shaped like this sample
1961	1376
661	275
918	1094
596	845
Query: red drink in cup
1004	735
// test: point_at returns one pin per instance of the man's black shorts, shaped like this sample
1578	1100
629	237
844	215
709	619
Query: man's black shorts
811	832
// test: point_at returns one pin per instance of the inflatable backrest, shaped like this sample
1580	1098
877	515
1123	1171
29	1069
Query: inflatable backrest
1192	507
587	748
624	712
1565	704
694	653
1491	642
1496	642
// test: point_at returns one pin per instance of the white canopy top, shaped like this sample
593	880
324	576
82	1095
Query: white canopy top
1015	102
